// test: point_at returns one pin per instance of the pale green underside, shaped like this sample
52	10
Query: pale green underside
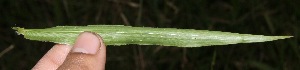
122	35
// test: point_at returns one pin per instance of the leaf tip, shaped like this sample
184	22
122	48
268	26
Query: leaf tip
266	38
18	30
281	37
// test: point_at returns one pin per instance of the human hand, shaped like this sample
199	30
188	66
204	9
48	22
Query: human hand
88	53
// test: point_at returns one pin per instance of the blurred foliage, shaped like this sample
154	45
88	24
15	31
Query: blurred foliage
265	17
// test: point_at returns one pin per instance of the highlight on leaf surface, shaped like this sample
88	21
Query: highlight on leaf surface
122	35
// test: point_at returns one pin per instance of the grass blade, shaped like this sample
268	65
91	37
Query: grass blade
122	35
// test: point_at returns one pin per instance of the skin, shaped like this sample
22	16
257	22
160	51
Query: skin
88	53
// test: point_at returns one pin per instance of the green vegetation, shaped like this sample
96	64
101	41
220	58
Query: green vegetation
259	17
124	35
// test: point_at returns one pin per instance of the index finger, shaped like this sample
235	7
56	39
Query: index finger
53	58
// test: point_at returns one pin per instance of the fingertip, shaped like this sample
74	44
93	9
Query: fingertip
88	52
87	42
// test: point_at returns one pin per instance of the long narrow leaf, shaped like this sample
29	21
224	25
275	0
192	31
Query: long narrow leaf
122	35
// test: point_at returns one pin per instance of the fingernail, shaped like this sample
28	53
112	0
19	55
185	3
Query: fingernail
87	42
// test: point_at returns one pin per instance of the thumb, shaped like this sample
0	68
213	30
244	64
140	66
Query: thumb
88	53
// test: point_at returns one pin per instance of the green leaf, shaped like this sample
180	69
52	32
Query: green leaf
122	35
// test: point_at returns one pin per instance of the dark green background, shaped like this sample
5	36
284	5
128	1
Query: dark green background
263	17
